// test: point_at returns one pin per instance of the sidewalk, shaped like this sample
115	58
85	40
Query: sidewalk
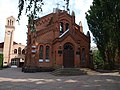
92	72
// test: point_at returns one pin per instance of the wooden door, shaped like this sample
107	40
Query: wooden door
68	56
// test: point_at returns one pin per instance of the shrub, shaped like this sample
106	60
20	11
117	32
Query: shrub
1	60
97	60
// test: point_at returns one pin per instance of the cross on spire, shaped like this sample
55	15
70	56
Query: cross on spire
58	5
64	7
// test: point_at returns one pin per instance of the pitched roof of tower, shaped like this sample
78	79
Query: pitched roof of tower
11	17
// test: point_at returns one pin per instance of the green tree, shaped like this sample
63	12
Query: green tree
103	20
97	59
1	60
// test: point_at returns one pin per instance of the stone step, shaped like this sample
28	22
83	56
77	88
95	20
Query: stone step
68	72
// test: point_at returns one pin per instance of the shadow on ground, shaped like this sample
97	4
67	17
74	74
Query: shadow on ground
14	79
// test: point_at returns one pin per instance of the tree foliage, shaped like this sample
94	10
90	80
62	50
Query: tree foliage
103	20
97	59
1	60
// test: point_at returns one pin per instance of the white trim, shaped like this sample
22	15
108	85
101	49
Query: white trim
33	46
63	33
47	60
40	60
13	66
33	51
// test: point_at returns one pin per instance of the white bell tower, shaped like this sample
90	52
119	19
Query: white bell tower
8	40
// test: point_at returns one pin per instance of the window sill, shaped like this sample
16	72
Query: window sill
47	60
40	60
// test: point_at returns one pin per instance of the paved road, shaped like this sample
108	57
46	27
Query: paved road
14	79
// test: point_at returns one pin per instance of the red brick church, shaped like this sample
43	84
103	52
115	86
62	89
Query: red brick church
57	42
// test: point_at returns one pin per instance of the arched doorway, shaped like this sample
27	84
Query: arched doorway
68	56
19	62
15	62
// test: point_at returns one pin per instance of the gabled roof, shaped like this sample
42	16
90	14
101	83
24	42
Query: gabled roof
64	36
48	19
11	17
74	37
14	43
48	15
45	19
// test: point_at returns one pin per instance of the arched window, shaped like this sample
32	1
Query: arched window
47	52
67	26
8	22
41	52
19	50
61	28
23	51
12	22
83	55
15	51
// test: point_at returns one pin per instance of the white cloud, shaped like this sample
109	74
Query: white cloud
82	6
11	9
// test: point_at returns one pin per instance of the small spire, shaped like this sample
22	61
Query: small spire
88	34
73	13
80	23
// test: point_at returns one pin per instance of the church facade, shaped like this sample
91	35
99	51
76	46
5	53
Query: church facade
57	42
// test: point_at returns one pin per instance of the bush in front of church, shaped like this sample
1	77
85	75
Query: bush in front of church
1	61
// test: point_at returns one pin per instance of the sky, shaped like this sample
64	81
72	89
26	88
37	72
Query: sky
10	8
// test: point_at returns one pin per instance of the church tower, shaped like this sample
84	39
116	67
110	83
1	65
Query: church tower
8	39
